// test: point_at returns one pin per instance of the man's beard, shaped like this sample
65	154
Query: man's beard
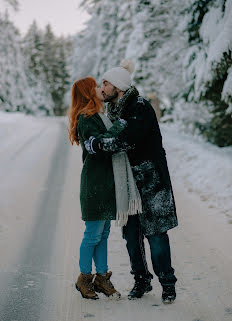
109	98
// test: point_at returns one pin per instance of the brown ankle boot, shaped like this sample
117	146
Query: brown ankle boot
84	284
103	284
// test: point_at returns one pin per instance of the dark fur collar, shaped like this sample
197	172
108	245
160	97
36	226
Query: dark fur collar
114	111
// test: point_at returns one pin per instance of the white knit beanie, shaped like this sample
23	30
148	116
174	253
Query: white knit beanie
120	77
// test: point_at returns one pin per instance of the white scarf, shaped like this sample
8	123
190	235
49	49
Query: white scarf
128	201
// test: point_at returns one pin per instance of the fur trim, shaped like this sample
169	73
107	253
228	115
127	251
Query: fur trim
114	111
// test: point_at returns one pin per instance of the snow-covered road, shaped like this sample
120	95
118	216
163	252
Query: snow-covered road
41	231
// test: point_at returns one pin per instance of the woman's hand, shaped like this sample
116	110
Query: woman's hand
92	145
109	144
123	122
89	145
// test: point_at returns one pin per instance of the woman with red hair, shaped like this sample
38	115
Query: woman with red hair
97	188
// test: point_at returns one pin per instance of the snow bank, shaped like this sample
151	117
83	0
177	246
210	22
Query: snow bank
20	118
201	167
11	117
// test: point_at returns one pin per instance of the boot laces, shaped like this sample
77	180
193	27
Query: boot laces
108	282
90	287
89	284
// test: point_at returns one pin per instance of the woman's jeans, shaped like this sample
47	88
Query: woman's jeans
160	252
94	247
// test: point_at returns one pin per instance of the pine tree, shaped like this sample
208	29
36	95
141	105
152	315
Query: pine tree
48	57
87	50
13	4
124	28
208	66
33	60
13	83
54	62
62	77
107	53
104	41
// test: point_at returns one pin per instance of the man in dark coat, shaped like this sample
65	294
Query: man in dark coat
143	142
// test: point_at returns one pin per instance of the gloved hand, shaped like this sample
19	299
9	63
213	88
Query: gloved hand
91	145
123	122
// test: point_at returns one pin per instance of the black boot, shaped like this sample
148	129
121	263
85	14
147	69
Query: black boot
169	294
142	285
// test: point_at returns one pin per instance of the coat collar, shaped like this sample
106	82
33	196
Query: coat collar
114	111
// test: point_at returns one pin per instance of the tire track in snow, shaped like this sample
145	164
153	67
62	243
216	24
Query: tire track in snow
24	296
19	150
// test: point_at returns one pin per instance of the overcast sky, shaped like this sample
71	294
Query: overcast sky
64	15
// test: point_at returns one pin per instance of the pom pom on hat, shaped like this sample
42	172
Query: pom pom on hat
120	77
128	65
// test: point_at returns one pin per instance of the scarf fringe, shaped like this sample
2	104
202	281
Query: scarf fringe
135	207
121	218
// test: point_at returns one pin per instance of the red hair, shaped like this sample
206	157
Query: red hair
84	101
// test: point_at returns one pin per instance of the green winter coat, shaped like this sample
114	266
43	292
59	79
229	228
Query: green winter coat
97	190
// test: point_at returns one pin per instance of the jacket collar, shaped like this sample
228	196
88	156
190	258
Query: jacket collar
114	111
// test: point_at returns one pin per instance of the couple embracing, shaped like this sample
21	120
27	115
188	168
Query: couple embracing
125	178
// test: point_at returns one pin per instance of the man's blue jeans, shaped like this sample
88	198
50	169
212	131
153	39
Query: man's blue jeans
160	252
94	247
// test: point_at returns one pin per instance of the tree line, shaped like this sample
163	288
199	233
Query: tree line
181	50
35	70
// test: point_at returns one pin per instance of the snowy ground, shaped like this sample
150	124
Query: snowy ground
41	231
200	167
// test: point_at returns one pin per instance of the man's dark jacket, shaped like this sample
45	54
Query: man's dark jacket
143	142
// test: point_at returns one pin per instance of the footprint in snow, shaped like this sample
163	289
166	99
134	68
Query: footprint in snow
228	310
89	315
